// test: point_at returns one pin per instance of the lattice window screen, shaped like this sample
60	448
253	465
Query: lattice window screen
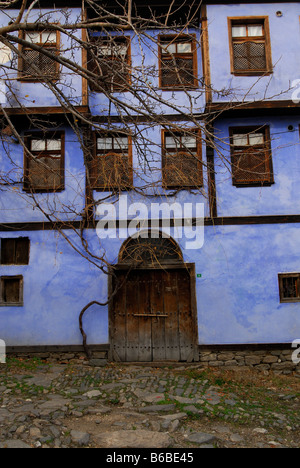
249	56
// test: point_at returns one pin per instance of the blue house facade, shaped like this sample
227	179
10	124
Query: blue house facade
193	241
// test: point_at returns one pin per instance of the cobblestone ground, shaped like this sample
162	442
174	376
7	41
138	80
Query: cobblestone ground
46	405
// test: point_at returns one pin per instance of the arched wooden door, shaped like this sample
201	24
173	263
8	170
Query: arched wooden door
153	314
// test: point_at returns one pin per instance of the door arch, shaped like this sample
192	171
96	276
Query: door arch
153	313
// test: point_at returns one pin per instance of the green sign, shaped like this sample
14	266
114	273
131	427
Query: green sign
199	275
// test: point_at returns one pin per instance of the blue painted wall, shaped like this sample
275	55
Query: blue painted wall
17	206
145	67
39	94
285	41
237	295
283	197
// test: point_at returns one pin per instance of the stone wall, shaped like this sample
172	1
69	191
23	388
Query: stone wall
265	358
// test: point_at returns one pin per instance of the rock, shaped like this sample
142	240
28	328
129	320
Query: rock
260	430
80	438
98	362
14	444
201	438
34	433
92	394
157	408
172	417
133	439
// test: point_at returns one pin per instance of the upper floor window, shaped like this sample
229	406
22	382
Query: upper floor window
111	166
34	65
182	156
250	46
44	162
177	62
251	156
109	58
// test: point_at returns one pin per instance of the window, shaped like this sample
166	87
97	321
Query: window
178	62
110	60
250	46
44	162
35	65
111	167
182	167
11	291
289	287
15	251
251	156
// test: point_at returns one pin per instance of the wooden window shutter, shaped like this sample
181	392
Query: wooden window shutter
251	156
181	160
289	287
34	65
11	291
250	46
110	60
111	166
178	62
15	251
44	162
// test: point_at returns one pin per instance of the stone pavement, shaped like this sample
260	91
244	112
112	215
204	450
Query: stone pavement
77	405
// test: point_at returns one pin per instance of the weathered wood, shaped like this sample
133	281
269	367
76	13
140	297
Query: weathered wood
158	322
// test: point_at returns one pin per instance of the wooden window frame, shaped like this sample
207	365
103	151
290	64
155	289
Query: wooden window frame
30	79
115	87
281	278
44	136
193	55
4	303
181	133
266	147
96	154
251	21
16	244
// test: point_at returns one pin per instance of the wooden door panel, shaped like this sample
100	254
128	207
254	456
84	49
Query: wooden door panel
171	309
131	337
153	318
158	322
145	323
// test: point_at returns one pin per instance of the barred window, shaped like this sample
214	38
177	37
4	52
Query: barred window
251	156
250	46
44	162
178	62
110	60
34	65
111	166
289	287
181	163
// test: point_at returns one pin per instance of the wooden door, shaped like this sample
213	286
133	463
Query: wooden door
152	318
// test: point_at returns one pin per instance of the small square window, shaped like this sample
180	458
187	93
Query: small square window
15	251
289	287
11	291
